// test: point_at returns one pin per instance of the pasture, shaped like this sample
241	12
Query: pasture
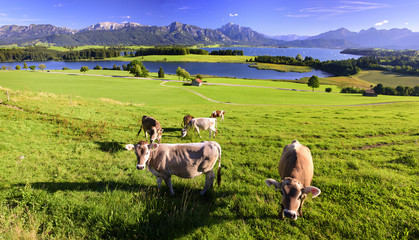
66	175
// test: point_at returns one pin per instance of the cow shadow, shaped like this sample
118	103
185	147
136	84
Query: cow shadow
165	217
110	147
172	129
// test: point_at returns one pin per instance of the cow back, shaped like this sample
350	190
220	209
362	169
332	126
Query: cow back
296	162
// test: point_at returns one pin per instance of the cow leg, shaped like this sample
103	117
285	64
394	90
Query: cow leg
159	179
210	133
197	129
209	181
168	182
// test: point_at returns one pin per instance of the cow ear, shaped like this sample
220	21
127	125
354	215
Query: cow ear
271	181
129	147
153	146
315	191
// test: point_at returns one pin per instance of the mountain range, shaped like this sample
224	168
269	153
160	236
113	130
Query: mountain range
113	34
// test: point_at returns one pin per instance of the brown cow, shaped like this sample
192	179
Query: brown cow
296	171
186	120
152	127
217	113
183	160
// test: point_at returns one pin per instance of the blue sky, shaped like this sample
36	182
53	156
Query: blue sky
271	17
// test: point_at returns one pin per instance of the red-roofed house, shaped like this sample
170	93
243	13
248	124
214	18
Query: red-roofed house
197	82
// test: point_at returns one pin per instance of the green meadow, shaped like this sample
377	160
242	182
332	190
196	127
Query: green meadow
66	174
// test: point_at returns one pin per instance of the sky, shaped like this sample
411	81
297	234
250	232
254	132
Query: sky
270	17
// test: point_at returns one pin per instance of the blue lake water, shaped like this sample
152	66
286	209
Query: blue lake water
238	70
317	53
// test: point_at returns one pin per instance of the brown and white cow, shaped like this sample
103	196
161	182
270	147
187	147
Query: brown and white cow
183	160
186	120
152	127
209	124
296	171
217	114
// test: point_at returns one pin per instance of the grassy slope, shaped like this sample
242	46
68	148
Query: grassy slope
389	79
76	181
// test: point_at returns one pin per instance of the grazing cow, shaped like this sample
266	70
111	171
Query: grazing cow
296	171
186	120
152	127
209	124
183	160
217	113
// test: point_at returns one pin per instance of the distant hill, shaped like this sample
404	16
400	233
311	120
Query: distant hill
373	38
112	34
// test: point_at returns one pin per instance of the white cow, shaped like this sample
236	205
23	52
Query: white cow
209	124
183	160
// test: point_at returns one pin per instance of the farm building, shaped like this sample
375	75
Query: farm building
197	82
369	93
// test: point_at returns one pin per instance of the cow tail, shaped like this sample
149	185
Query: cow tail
219	167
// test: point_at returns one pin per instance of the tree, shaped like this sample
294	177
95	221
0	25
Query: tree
84	69
161	73
42	66
17	67
32	67
178	72
328	89
400	90
97	67
378	89
4	67
299	57
136	70
199	76
313	82
25	66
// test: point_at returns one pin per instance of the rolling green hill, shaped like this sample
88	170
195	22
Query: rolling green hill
66	174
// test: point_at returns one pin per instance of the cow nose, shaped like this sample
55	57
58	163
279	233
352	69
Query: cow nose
290	214
139	167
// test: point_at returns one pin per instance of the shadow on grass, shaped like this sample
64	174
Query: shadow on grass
110	147
158	215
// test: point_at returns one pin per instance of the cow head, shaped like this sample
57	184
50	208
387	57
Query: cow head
143	152
293	194
155	134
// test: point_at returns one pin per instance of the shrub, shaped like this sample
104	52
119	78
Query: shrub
328	89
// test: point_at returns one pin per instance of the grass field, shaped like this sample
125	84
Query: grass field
281	67
389	78
65	174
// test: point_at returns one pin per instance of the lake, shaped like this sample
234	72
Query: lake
238	70
317	53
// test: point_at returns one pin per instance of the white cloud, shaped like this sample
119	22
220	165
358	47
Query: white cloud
184	8
58	5
233	14
6	20
406	23
381	23
127	17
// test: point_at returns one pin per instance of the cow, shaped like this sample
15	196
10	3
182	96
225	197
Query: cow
296	171
152	127
187	160
217	113
186	120
209	124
